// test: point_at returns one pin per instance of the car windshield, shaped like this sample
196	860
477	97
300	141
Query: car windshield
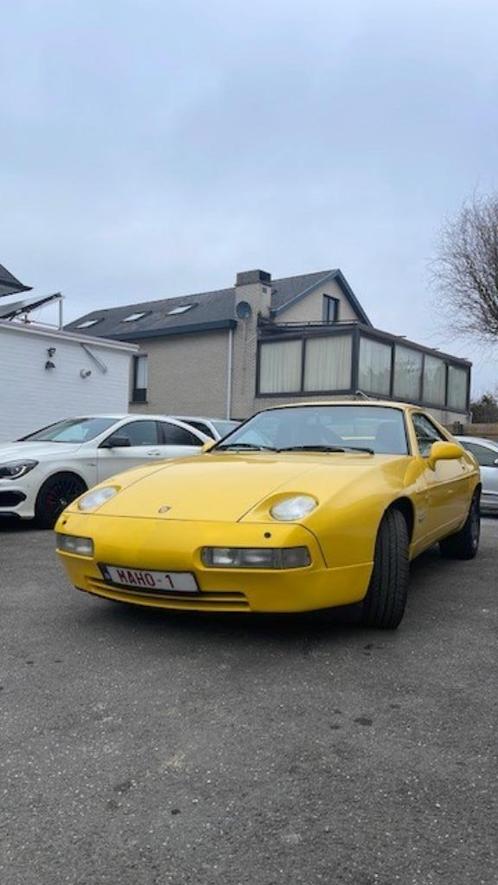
375	429
224	427
72	430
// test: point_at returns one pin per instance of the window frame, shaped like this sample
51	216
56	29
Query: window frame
399	347
135	398
87	324
359	331
330	301
301	391
310	391
135	316
440	435
121	431
450	407
479	445
204	427
390	345
445	393
179	310
162	423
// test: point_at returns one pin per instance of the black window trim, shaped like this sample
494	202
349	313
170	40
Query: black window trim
136	390
330	301
162	433
479	445
442	435
205	427
358	332
301	391
117	431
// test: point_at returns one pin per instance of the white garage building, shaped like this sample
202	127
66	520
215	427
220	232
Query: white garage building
47	374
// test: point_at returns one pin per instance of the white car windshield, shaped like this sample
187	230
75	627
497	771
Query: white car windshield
224	427
71	430
375	429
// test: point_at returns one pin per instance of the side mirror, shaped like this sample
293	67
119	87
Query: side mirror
116	442
444	451
208	446
495	462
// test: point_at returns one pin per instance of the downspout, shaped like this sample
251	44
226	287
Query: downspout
228	409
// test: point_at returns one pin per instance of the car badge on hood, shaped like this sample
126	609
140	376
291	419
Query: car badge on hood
164	508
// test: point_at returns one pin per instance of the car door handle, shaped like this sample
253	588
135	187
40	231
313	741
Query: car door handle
153	452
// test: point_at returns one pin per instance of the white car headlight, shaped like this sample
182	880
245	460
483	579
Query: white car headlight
96	498
291	509
16	469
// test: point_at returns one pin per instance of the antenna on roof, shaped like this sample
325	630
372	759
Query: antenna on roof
363	395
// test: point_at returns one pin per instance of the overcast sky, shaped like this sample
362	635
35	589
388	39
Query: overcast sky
151	148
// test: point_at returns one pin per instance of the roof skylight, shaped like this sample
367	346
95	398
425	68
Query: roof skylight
134	316
87	323
182	309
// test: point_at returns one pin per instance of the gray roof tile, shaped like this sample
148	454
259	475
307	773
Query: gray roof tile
210	310
9	284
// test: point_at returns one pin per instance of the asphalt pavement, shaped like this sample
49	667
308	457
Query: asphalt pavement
145	748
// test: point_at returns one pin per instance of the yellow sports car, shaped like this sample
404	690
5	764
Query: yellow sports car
301	507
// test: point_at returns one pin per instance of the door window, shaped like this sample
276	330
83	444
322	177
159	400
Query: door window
486	457
173	435
139	433
426	433
204	428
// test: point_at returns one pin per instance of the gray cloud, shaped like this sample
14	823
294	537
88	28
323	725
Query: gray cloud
153	148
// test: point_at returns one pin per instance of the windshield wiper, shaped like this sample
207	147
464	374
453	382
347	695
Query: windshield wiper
317	448
252	447
320	448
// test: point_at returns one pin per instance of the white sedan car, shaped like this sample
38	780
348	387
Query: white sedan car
486	452
42	473
216	428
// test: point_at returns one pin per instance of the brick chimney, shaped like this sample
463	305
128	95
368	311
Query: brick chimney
252	299
253	288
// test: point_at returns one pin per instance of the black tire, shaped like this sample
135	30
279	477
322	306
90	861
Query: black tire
54	496
465	543
384	604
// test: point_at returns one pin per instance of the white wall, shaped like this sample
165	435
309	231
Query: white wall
32	396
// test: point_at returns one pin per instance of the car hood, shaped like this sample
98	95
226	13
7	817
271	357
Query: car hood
227	487
15	451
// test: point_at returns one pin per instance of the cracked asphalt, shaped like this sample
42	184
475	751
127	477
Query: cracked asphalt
146	748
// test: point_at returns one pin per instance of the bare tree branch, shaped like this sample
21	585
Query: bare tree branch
465	270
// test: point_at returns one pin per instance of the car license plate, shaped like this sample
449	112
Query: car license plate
144	581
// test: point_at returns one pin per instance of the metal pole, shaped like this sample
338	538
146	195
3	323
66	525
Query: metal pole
229	374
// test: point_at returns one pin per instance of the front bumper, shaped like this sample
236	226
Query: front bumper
489	502
16	499
168	545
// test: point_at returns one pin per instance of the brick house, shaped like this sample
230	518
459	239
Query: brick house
230	352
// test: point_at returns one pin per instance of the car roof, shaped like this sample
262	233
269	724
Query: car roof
138	415
482	440
198	418
352	402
